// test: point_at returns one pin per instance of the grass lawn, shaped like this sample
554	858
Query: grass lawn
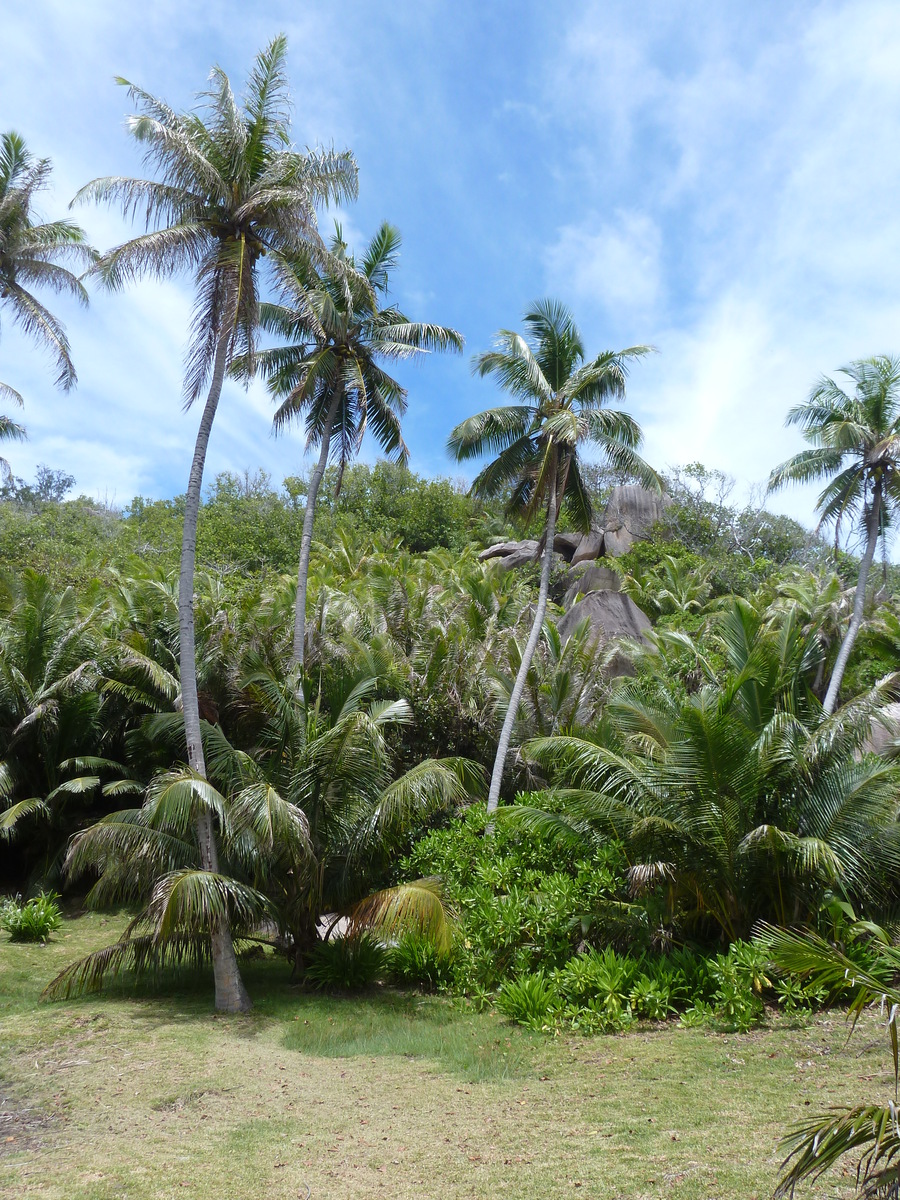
391	1096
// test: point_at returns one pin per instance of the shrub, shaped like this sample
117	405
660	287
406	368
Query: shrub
347	964
33	921
530	1000
417	962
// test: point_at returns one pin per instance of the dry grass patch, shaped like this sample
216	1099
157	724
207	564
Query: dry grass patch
155	1097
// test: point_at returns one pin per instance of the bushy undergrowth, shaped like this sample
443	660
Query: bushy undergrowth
347	964
557	943
32	921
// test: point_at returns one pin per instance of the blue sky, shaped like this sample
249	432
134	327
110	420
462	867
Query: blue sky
718	179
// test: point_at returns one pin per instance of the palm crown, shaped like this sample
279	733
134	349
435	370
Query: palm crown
30	253
856	446
233	191
561	406
337	332
855	441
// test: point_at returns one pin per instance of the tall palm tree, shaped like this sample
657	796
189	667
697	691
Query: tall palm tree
560	406
856	447
31	254
329	374
231	191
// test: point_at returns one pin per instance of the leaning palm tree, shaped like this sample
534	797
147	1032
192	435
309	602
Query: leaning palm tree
31	254
329	374
856	446
231	191
560	406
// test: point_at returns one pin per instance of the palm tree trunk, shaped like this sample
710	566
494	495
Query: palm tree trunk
873	524
309	517
231	996
530	647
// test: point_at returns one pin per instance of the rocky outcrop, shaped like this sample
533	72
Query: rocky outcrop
611	615
884	731
594	579
630	514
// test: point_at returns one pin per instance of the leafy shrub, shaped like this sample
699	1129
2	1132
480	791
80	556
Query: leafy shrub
734	1001
417	962
33	921
601	978
651	999
530	1000
347	964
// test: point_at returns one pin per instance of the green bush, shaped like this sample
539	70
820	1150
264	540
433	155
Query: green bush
33	921
529	1000
417	962
347	964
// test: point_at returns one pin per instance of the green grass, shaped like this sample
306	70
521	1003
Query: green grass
150	1096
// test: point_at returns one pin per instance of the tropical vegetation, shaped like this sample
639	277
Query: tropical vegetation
317	725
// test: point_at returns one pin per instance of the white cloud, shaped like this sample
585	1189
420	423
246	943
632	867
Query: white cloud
616	264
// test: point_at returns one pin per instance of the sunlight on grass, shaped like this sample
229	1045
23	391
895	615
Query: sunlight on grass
148	1095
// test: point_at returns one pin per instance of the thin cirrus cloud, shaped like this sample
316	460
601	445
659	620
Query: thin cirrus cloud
716	180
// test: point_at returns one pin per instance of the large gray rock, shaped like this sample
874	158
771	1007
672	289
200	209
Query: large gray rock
567	544
591	547
612	615
630	513
884	731
594	579
519	558
505	549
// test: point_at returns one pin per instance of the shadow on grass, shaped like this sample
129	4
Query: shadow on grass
476	1046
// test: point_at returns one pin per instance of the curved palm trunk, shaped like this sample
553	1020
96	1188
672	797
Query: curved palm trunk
231	996
309	517
530	647
873	522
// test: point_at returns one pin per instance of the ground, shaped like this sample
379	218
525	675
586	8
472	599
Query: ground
156	1098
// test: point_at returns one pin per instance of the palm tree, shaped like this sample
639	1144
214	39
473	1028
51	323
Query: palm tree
329	373
560	400
232	191
30	254
738	795
308	819
869	1130
856	446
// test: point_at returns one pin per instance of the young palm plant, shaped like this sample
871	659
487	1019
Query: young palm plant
559	408
856	446
231	193
306	821
738	795
329	374
869	1130
32	254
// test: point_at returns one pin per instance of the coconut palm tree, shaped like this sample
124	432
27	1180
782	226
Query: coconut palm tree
231	193
559	407
856	447
31	254
329	375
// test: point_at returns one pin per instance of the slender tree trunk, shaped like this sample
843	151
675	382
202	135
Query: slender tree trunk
530	647
309	517
231	996
873	522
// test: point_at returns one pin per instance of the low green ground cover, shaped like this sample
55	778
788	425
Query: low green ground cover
148	1095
